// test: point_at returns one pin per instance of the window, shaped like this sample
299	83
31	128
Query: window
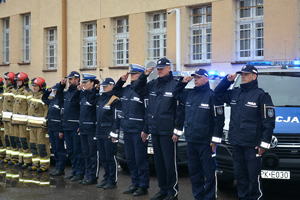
157	42
51	48
89	45
2	1
121	42
5	45
26	38
250	30
200	39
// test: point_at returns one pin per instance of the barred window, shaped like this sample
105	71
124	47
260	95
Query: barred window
250	30
51	48
157	38
200	36
89	47
121	41
5	44
26	37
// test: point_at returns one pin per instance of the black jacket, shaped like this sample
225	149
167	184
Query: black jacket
54	111
252	118
87	119
71	107
204	117
132	107
106	112
160	117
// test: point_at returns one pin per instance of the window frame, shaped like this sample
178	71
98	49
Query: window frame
255	39
5	40
51	43
204	26
89	42
121	42
26	43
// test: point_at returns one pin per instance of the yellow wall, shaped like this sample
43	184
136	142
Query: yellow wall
281	32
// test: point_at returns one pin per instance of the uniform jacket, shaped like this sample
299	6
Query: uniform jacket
252	117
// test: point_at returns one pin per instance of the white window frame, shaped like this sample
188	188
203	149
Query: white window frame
200	51
157	35
255	35
5	41
89	45
51	48
121	42
26	40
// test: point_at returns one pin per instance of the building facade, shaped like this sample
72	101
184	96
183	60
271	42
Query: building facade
50	38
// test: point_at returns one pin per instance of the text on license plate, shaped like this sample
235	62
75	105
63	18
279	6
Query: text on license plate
269	174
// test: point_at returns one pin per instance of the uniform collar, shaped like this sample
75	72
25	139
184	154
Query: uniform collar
165	78
249	86
73	87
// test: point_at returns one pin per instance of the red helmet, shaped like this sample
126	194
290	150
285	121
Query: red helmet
21	76
1	81
10	76
40	82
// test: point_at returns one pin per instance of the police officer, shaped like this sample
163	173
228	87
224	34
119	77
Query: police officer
106	133
204	119
132	123
39	139
161	123
251	126
8	101
55	103
87	127
70	124
2	138
19	120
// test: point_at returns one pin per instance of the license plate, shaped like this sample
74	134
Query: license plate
269	174
150	150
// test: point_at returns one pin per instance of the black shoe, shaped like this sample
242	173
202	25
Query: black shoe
25	165
32	168
109	186
171	197
140	192
76	178
69	176
89	182
159	196
101	184
130	190
57	173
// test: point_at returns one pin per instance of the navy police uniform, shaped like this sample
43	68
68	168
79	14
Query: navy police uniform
54	125
132	123
251	125
87	127
160	122
204	119
106	112
70	125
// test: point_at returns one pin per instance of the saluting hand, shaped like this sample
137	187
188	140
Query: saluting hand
187	79
125	77
231	77
149	70
63	81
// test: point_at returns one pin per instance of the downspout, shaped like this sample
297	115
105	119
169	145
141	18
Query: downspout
178	38
64	45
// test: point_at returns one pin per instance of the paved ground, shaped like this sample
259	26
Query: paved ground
12	189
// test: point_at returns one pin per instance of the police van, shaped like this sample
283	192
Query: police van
282	161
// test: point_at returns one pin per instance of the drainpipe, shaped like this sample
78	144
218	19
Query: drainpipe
64	38
178	38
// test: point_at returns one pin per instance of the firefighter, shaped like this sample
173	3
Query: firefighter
19	120
8	101
2	139
39	139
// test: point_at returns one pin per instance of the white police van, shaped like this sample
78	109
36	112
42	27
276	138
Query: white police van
282	161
